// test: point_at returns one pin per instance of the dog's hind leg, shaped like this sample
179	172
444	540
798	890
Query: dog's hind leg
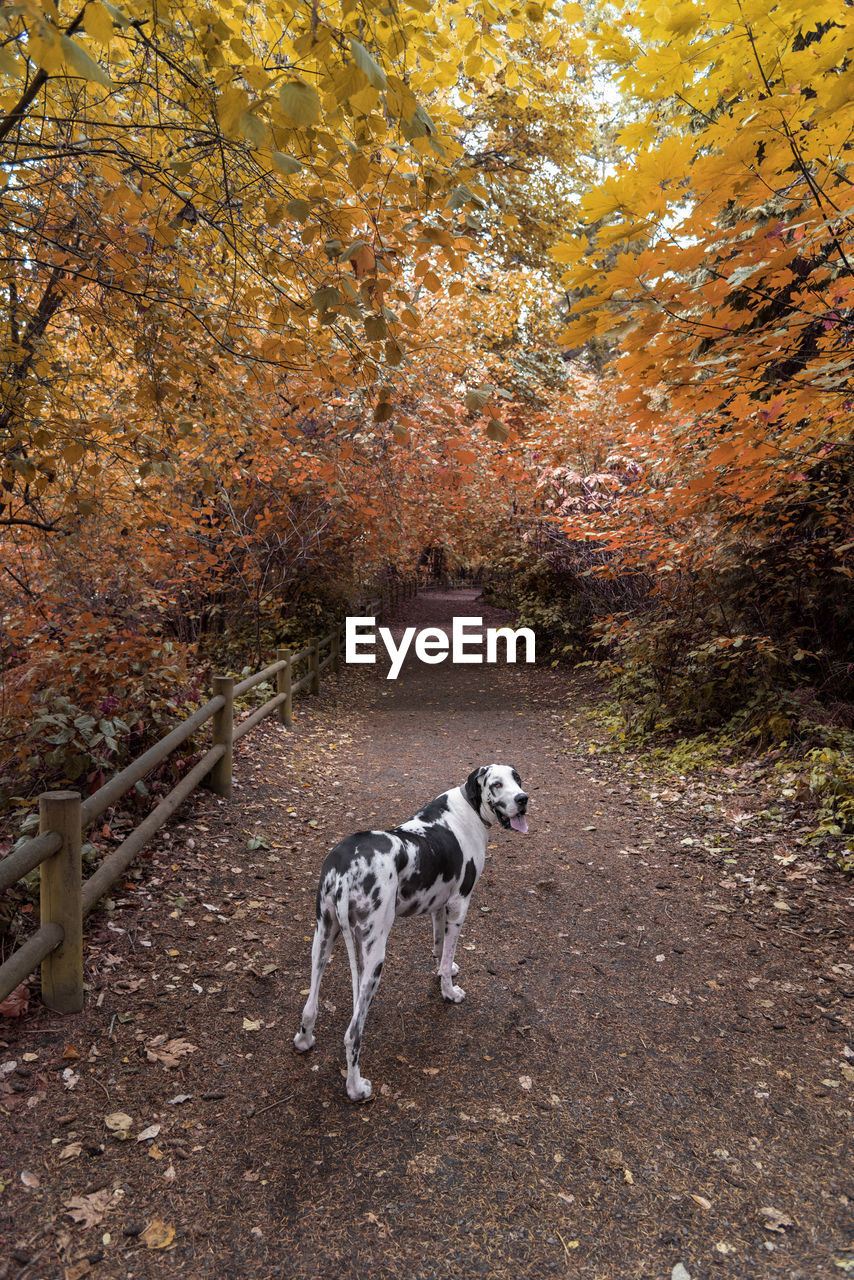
325	933
439	937
373	957
354	951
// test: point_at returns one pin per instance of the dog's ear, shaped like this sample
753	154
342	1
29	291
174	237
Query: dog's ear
473	789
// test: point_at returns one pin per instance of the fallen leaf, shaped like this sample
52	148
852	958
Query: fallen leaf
526	1082
701	1201
16	1003
69	1078
81	1267
151	1132
169	1175
120	1124
29	1179
251	1024
69	1053
89	1210
775	1219
679	1273
70	1151
178	1099
168	1052
157	1235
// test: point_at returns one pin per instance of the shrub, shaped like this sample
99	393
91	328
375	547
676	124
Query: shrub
84	704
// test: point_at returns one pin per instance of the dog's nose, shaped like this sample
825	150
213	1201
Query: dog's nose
521	802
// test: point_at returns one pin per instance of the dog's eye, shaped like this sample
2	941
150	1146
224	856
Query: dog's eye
493	786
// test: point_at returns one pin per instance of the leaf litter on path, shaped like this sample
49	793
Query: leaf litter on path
559	995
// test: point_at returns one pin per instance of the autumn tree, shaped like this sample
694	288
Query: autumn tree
732	217
233	238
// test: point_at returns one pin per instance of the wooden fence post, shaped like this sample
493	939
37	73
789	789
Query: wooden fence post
283	685
219	778
336	650
61	902
314	665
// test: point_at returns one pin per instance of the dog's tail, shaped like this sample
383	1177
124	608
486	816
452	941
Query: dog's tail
343	909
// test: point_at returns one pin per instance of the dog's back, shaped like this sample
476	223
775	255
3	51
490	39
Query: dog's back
419	864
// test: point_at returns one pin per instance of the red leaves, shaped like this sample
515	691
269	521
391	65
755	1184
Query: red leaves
16	1003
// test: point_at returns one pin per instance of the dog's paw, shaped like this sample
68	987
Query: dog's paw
454	994
359	1091
303	1041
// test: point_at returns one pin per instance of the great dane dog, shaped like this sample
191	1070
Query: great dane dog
430	863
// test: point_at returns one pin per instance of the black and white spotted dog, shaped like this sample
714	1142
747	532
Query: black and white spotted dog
430	863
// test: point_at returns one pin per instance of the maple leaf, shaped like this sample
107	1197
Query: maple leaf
16	1003
168	1052
89	1210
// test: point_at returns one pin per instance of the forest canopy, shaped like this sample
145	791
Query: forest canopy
294	292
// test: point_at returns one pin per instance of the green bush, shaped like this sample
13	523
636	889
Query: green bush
666	680
832	782
557	603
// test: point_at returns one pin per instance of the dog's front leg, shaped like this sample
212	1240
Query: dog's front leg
438	918
438	932
455	914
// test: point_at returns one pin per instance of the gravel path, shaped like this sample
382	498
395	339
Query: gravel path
648	1072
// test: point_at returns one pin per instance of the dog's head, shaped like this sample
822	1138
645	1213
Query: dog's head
495	791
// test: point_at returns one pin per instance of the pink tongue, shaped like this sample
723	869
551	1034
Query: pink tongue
519	823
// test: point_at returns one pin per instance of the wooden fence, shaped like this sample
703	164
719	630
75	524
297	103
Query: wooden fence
65	898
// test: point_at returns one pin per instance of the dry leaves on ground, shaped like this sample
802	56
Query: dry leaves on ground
168	1052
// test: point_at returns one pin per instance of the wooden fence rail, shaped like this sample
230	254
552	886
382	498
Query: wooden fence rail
65	898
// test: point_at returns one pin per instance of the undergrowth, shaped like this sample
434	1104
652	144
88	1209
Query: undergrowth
691	688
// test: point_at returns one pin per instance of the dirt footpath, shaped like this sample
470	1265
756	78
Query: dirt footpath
648	1077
